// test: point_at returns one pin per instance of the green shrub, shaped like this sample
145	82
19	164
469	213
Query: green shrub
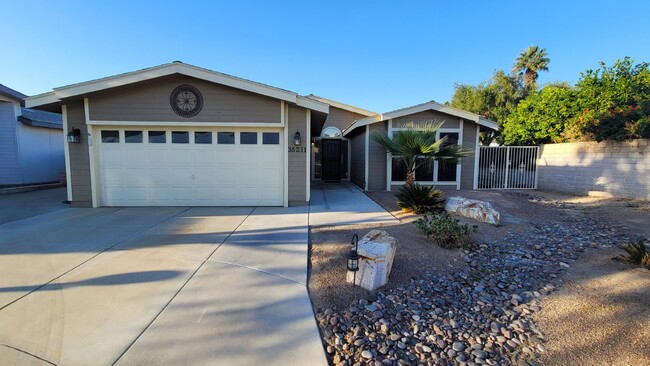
420	199
445	230
636	254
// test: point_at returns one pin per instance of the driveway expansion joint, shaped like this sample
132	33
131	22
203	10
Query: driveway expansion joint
256	270
117	360
29	354
91	258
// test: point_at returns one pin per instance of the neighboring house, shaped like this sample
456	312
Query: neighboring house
31	142
177	134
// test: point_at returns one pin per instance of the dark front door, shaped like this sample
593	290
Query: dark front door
331	160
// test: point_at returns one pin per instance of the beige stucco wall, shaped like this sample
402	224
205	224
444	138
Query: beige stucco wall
149	101
621	169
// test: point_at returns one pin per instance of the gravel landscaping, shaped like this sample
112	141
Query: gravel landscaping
478	306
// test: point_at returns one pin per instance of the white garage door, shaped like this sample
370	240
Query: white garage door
190	167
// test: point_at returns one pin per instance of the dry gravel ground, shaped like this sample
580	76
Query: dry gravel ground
599	316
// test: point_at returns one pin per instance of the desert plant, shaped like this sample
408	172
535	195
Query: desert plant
420	199
637	253
445	230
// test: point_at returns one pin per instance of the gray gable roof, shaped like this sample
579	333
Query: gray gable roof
36	118
13	94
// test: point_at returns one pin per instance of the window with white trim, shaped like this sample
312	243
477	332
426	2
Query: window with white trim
429	171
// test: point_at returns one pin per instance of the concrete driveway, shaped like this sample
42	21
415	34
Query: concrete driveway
171	285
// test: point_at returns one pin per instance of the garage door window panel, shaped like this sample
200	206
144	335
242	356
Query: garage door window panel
157	137
248	138
270	138
180	137
110	137
225	137
133	137
202	137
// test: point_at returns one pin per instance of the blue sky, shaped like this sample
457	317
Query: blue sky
379	55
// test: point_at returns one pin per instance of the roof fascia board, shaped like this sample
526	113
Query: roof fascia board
434	106
113	81
421	108
487	123
41	99
343	106
363	122
312	104
236	83
159	71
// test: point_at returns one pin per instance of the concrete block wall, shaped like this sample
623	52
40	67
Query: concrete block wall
621	169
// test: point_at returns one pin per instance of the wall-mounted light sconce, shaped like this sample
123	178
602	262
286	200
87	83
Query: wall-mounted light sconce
296	139
74	136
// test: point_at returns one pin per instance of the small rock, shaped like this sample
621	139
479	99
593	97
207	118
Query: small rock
458	346
366	354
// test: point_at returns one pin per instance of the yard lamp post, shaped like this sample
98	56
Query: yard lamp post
353	258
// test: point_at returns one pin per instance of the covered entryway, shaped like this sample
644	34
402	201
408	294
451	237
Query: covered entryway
330	156
331	160
190	166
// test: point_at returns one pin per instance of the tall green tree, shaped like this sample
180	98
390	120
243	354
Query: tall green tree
494	99
528	63
541	117
613	101
417	145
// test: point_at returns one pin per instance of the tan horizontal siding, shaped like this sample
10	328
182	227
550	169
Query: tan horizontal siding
427	116
79	159
377	159
149	101
358	162
467	163
340	118
297	160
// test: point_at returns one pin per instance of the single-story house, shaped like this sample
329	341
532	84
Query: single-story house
177	134
31	147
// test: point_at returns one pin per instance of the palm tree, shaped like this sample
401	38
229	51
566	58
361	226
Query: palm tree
529	62
417	145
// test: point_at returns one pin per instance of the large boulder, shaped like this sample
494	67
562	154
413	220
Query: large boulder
377	251
474	209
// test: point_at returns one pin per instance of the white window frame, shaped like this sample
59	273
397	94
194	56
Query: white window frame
434	180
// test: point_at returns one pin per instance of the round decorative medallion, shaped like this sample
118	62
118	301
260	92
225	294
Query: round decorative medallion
186	101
